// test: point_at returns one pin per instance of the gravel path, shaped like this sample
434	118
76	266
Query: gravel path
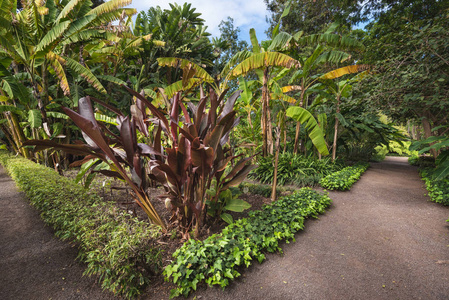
381	240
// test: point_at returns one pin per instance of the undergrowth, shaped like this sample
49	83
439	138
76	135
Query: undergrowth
295	169
117	247
217	260
438	190
344	179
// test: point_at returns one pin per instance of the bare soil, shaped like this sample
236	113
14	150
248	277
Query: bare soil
381	240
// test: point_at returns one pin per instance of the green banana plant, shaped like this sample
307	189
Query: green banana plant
316	134
337	90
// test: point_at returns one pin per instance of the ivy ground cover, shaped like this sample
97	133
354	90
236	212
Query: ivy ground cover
344	179
218	259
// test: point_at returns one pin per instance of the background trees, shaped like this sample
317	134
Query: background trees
52	54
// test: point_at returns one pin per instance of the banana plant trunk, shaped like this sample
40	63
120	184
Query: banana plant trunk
334	145
276	162
264	121
298	125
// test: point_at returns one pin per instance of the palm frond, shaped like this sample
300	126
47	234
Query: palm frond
343	71
85	73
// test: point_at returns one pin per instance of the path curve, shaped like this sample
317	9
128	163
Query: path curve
381	240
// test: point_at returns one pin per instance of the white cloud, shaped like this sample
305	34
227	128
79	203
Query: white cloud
246	14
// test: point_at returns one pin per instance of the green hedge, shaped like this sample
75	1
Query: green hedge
116	247
217	259
344	179
438	191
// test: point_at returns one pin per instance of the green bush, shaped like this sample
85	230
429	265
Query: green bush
295	169
438	190
344	179
116	246
422	161
217	259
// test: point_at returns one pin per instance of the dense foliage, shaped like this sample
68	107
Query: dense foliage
263	189
438	191
216	260
295	169
344	179
116	247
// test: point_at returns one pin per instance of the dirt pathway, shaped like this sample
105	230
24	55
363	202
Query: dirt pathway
33	263
381	240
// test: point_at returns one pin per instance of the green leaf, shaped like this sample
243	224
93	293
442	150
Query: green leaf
315	133
11	108
35	118
227	218
105	119
85	168
237	205
85	73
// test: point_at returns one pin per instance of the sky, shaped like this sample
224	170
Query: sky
247	14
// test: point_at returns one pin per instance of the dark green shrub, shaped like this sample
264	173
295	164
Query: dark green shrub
116	247
217	259
295	169
421	161
262	189
344	179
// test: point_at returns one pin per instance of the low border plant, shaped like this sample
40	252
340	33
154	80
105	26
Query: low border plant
218	259
438	190
344	179
117	247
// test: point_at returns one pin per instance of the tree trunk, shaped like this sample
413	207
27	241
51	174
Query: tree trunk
264	113
428	133
334	145
276	160
298	130
298	125
270	144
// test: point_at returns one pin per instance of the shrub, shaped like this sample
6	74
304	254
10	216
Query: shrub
262	189
421	161
116	247
438	190
295	169
217	259
344	179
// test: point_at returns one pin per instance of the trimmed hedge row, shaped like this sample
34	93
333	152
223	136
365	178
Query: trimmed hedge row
438	191
344	179
217	259
116	246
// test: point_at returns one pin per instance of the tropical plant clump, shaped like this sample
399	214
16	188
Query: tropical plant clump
117	247
295	169
344	179
217	259
190	159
